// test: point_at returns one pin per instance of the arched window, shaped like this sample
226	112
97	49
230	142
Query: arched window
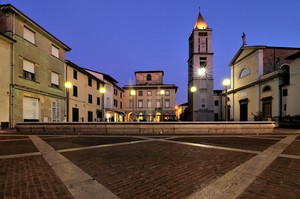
149	77
266	88
244	72
286	69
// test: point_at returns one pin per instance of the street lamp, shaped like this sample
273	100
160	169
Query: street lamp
132	94
68	85
226	83
102	91
193	89
162	92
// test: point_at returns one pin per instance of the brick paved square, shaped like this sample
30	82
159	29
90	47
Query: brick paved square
155	169
7	137
293	149
280	180
17	147
30	177
247	143
82	141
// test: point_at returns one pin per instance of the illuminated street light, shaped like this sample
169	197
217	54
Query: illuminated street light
132	94
68	85
162	92
193	89
102	90
226	83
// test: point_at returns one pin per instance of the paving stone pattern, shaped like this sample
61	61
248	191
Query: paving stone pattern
30	177
281	180
155	169
16	147
81	141
232	142
293	149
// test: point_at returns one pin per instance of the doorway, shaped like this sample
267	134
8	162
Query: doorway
75	114
244	110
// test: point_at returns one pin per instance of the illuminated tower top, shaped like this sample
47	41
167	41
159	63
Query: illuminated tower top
200	23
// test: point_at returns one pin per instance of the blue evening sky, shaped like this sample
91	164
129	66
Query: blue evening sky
120	37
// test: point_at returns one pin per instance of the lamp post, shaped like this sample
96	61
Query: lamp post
162	92
132	94
68	85
226	83
102	91
193	89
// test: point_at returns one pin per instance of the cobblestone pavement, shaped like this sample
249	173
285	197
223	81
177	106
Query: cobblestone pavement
149	167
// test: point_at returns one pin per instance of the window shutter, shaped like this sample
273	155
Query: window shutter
54	78
28	66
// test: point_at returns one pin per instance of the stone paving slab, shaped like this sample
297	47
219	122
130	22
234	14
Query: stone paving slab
232	142
155	169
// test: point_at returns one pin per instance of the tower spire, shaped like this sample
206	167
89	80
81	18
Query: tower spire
200	23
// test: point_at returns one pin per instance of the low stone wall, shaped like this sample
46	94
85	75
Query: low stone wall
146	128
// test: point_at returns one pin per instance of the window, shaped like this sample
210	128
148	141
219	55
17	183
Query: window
284	92
75	74
75	91
29	35
216	103
140	93
90	98
158	104
28	70
167	103
55	112
149	77
131	103
98	101
149	93
54	80
90	81
115	92
31	109
266	88
244	72
140	103
149	103
167	93
90	116
98	85
121	95
115	103
55	51
121	105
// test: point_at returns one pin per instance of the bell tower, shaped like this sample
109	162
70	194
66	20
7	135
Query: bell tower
200	73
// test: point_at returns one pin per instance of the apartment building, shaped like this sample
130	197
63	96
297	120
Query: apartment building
84	100
113	97
150	99
36	69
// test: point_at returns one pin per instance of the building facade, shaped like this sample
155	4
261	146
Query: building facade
261	82
37	69
150	99
84	99
200	73
113	97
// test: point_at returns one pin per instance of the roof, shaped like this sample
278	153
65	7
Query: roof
294	56
152	86
254	48
105	76
7	37
11	8
200	23
150	71
69	63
